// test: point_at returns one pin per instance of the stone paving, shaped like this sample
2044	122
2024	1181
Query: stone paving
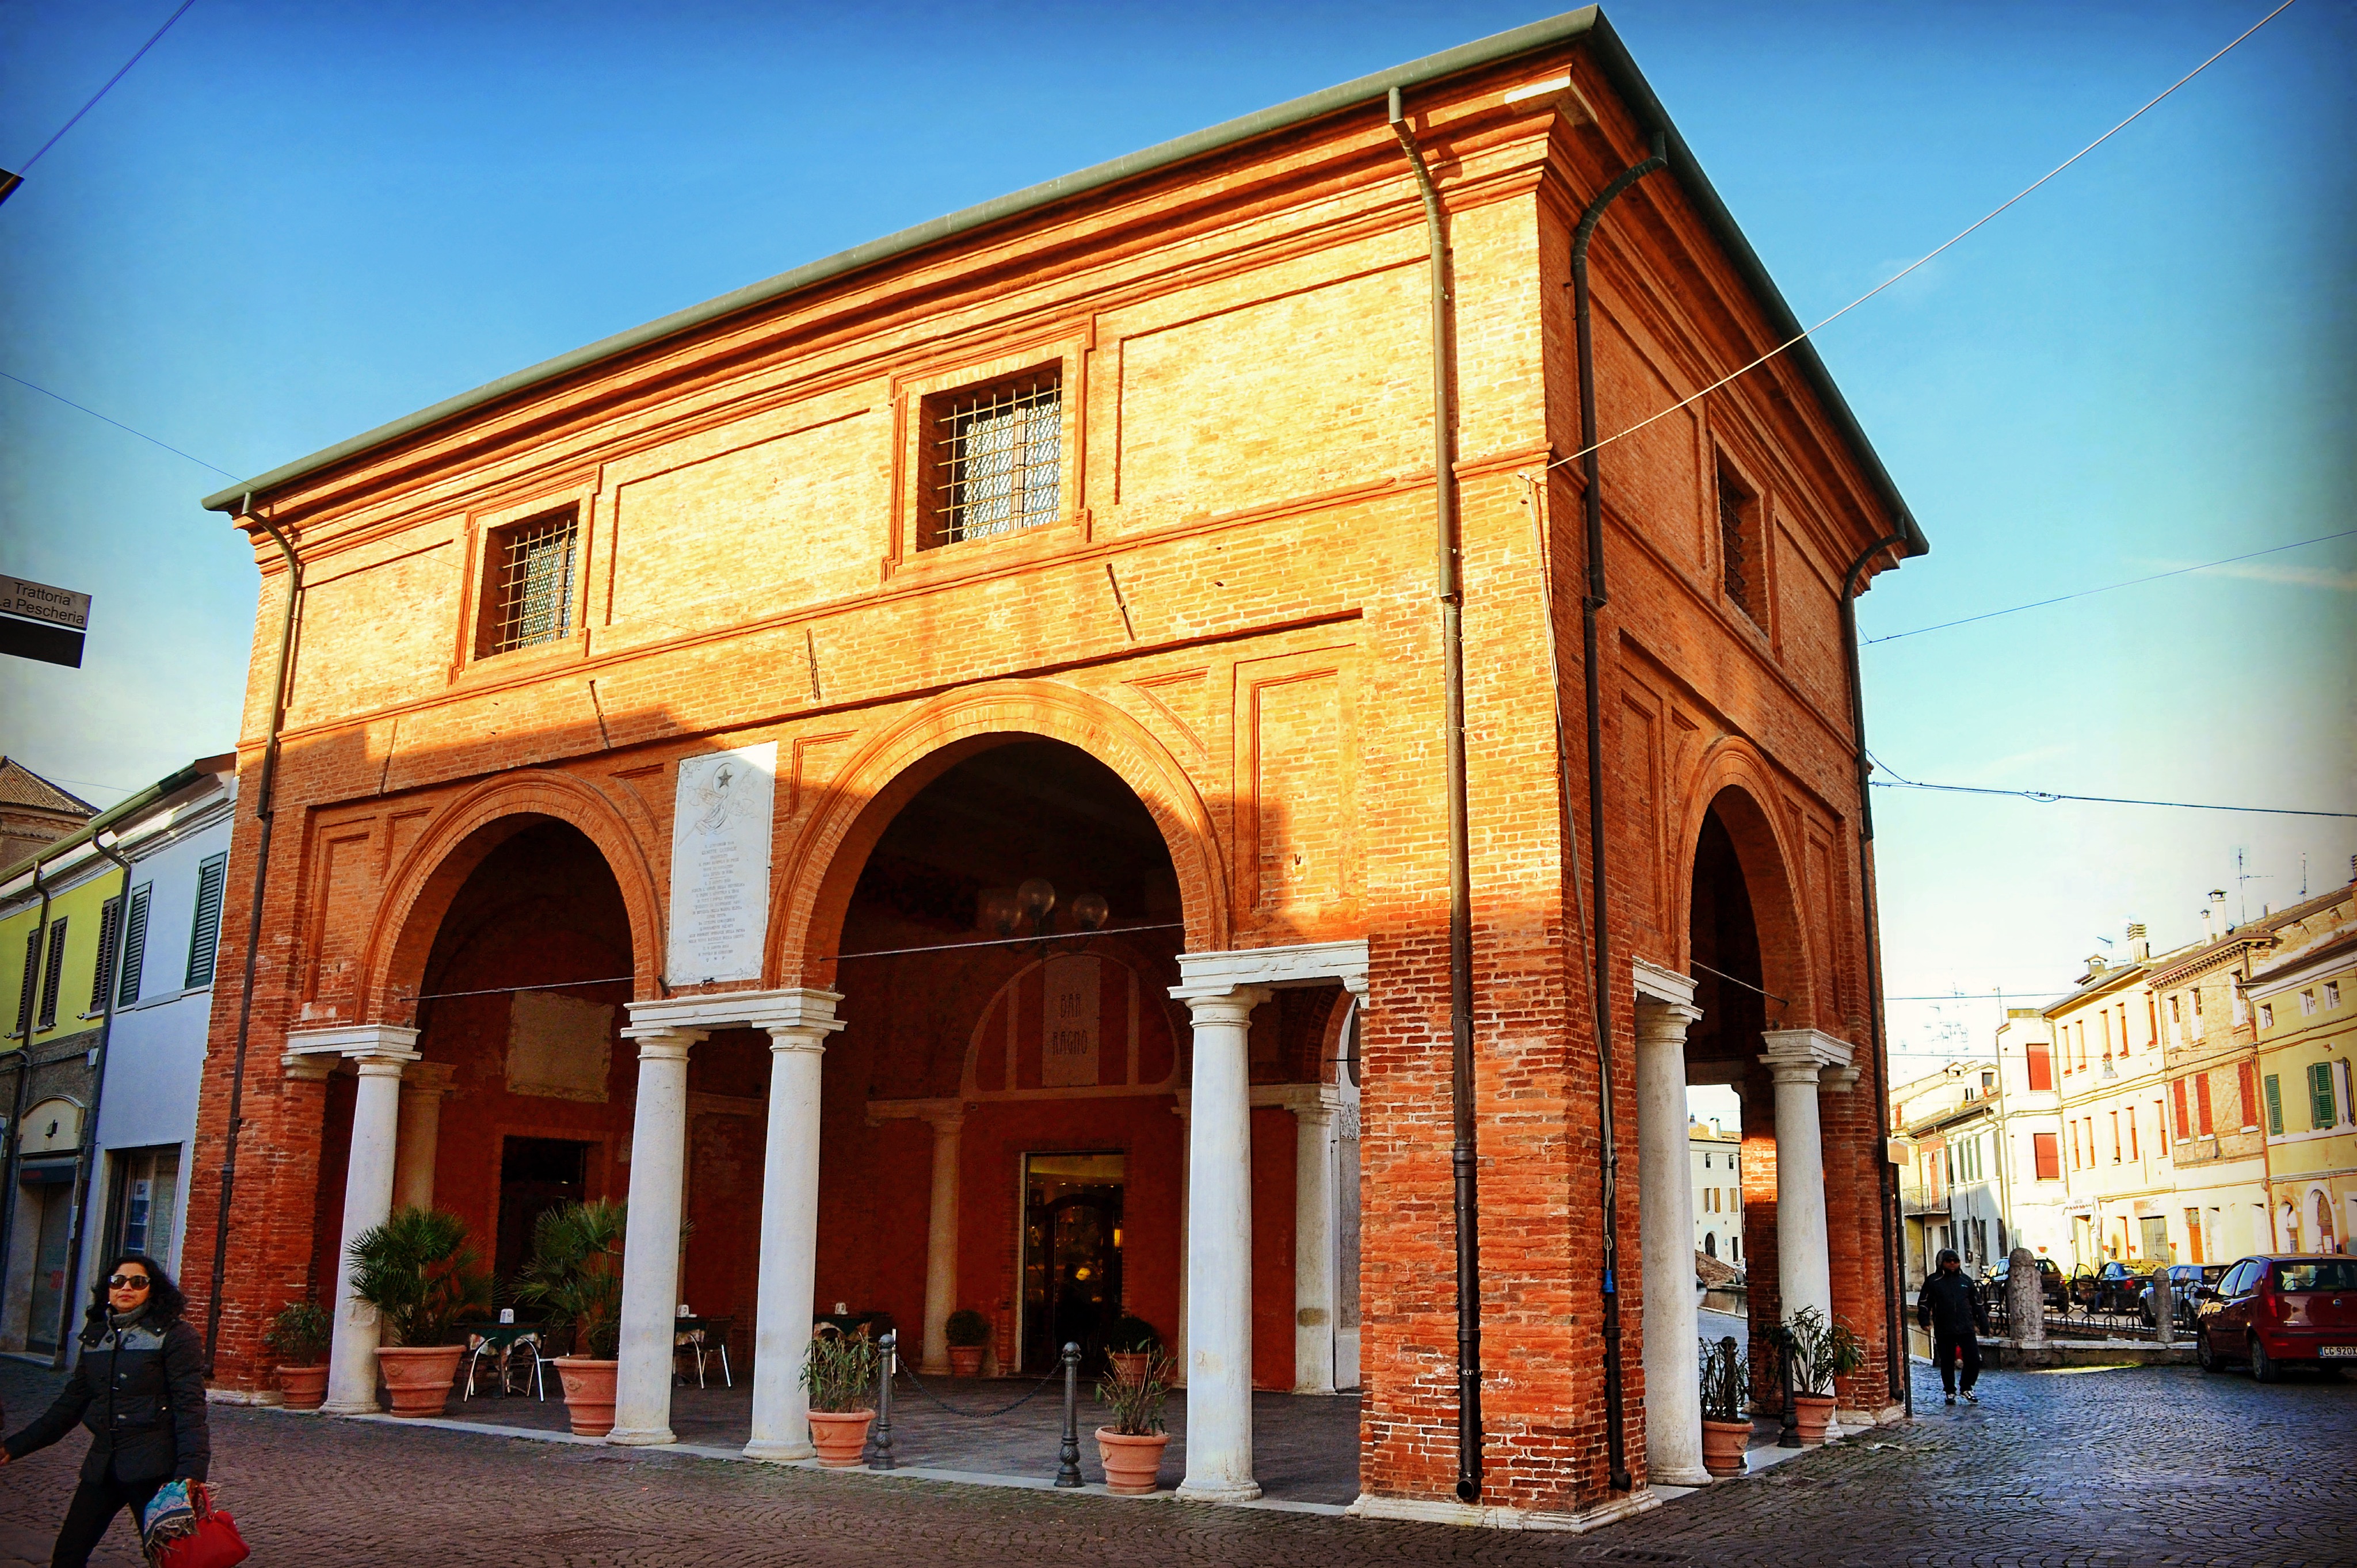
2158	1465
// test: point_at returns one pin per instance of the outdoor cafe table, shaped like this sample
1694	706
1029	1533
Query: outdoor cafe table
500	1340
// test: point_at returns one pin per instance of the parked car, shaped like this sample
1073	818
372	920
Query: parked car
2049	1282
2184	1279
2270	1311
2115	1287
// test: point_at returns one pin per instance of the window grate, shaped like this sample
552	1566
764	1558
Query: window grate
998	459
1735	545
532	596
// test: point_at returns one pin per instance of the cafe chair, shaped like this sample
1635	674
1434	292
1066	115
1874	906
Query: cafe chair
707	1339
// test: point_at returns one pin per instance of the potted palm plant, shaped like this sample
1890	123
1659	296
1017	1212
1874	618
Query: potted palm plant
1726	1429
419	1274
1132	1343
839	1375
1131	1448
576	1277
1821	1352
968	1332
298	1337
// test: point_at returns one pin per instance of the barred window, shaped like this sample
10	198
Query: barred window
994	458
1740	544
529	596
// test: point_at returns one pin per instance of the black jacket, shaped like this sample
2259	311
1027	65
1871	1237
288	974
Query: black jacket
142	1396
1949	1304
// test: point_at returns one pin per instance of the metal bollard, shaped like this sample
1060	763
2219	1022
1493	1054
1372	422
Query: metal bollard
889	1344
2164	1306
1792	1433
1068	1457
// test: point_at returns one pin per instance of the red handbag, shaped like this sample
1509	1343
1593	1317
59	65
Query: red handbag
212	1542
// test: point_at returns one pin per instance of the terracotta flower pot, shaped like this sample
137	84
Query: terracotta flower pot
418	1376
305	1388
1129	1364
588	1393
1131	1463
965	1360
839	1435
1723	1443
1811	1413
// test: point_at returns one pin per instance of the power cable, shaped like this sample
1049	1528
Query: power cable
2048	796
1925	261
118	425
2132	582
102	92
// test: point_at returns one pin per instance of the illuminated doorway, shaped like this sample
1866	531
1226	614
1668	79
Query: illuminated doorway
1072	1253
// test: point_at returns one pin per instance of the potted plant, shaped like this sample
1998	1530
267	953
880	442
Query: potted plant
576	1277
1131	1448
1131	1344
968	1332
298	1337
1726	1429
1821	1352
839	1375
419	1274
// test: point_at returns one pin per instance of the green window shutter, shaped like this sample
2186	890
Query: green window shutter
25	998
2321	1110
135	945
53	971
2274	1105
204	935
110	932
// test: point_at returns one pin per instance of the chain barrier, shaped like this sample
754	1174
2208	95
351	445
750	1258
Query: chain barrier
910	1373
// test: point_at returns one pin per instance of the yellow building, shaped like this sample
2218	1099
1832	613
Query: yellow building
2305	1001
2118	1166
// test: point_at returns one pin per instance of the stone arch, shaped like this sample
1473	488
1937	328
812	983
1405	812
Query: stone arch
1153	997
469	829
1737	780
820	872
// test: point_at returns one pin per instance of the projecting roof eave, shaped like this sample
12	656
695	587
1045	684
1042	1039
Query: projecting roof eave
1589	23
2110	979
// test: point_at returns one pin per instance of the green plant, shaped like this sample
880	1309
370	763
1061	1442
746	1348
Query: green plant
419	1274
575	1273
1136	1402
1133	1335
1822	1351
967	1329
1726	1380
839	1370
298	1335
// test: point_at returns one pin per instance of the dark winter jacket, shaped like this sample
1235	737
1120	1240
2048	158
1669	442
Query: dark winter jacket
1949	1304
141	1393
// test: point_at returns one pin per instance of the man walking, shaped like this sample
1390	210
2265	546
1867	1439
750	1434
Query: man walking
1951	1309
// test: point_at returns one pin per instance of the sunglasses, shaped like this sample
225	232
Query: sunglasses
127	1282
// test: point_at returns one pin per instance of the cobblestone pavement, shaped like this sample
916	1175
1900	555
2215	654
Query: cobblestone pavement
2112	1467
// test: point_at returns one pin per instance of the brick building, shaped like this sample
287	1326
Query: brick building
937	769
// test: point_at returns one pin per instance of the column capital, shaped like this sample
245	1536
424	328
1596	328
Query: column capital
941	1115
1228	1005
664	1044
1661	1023
1294	963
424	1077
1799	1054
798	1007
1313	1102
389	1042
306	1066
1655	984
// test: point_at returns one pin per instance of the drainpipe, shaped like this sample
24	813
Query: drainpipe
86	1169
1462	1153
262	810
1600	988
1901	1385
24	1075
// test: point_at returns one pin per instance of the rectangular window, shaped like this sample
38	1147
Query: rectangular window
2184	1126
53	973
134	944
2332	993
2267	1014
2274	1105
2116	1137
30	993
2134	1153
1738	545
2202	1103
2323	1109
2307	1003
110	928
2246	1080
204	932
2044	1149
2197	1000
528	594
994	458
2041	1069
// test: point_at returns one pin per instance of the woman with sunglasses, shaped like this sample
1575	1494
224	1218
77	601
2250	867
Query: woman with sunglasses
139	1386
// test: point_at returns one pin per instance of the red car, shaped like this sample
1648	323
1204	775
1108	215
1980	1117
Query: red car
2271	1310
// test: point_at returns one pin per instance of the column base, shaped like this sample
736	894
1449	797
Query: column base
1679	1475
640	1437
1188	1492
932	1368
353	1407
780	1453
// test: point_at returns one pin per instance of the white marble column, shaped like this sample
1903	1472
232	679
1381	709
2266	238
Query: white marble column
799	1024
650	1246
1665	1217
422	1085
379	1051
1799	1059
941	1239
1314	1296
1186	1191
1218	1248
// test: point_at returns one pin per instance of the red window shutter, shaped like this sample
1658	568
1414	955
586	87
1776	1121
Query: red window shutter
2041	1069
2201	1101
2250	1086
2050	1157
2184	1127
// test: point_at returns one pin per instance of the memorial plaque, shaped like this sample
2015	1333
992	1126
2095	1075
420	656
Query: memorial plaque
1068	1033
559	1048
720	865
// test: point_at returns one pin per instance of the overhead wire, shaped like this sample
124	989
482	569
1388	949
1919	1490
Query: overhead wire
2048	796
102	92
118	425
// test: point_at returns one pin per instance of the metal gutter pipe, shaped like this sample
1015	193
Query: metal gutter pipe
28	1006
262	810
86	1169
1463	1154
1592	501
1901	1385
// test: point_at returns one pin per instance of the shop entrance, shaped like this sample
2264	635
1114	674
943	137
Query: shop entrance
536	1175
54	1203
1071	1254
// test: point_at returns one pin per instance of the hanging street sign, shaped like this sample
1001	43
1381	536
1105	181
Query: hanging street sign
37	621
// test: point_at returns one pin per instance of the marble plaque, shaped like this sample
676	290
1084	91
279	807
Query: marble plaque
559	1048
720	865
1068	1033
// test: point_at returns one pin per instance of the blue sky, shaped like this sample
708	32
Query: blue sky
291	222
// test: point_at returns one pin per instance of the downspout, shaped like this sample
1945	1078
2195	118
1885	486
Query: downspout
262	810
1903	1387
1600	987
23	1074
1462	1152
86	1170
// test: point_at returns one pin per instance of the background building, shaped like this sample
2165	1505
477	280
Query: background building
2117	1161
2305	999
34	811
1715	1157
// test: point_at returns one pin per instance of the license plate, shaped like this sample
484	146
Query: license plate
2337	1352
